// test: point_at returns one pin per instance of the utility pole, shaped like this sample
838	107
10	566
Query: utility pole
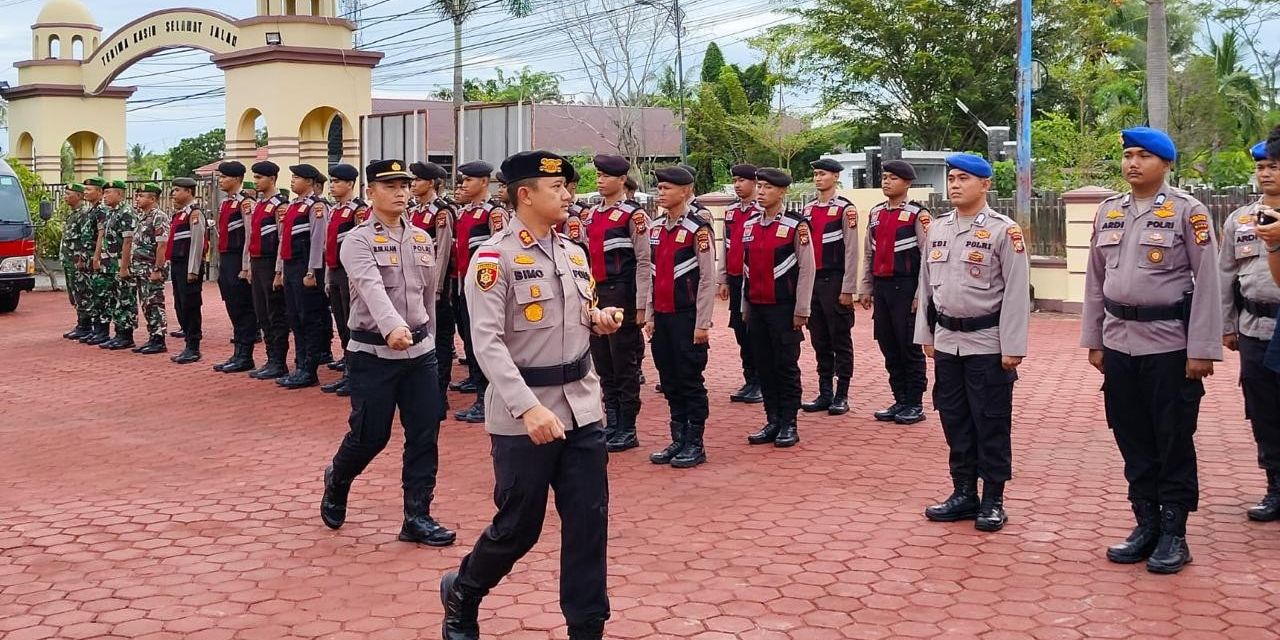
676	15
352	10
1023	199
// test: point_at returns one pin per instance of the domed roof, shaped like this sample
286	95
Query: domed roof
64	11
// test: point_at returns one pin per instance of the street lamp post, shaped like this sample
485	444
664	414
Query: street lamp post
676	14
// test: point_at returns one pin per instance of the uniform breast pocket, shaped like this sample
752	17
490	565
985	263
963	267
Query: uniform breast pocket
1108	244
978	267
388	263
1156	250
535	304
423	256
1247	249
937	265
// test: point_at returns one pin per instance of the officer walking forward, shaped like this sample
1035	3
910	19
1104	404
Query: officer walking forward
972	316
391	359
730	275
233	285
778	272
890	272
1153	325
531	299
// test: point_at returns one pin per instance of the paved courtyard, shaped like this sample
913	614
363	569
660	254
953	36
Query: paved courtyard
142	499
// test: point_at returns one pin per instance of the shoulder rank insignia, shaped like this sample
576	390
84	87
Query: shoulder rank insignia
1015	234
982	234
925	219
1115	213
526	238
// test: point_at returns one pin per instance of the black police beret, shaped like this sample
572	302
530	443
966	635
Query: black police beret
535	164
747	171
775	177
900	168
674	175
306	171
571	174
344	172
428	171
231	169
611	165
266	168
500	178
185	183
386	171
476	169
827	164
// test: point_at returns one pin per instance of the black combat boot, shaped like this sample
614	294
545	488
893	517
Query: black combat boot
1142	541
677	443
991	515
473	414
962	505
741	393
465	385
461	609
333	387
153	345
888	414
593	630
693	453
1172	553
840	401
338	365
274	368
1268	508
788	435
767	434
113	341
910	414
823	401
625	437
224	364
243	361
190	354
753	395
101	333
178	334
124	340
333	506
610	420
302	377
345	392
81	330
418	525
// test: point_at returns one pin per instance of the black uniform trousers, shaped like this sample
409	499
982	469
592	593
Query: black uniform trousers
576	468
187	299
307	313
1261	388
462	318
378	387
445	330
894	328
974	398
680	365
237	296
739	327
1152	408
268	308
340	303
617	356
831	327
775	342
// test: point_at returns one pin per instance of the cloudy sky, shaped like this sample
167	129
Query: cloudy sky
160	114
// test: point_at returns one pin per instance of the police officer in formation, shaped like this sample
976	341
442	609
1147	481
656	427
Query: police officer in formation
890	272
1153	324
146	264
69	253
300	272
478	219
682	250
348	210
834	222
186	251
730	275
262	244
1250	302
972	314
431	213
618	246
234	288
778	270
530	294
391	358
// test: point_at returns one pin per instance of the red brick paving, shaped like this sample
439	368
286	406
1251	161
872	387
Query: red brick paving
139	501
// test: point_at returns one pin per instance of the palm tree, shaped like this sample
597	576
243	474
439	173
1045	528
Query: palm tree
1157	65
1238	89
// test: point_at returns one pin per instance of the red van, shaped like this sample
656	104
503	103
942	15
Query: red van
17	241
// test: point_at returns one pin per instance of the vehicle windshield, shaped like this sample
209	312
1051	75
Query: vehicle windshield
13	208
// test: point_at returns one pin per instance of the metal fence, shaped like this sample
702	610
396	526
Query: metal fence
1046	226
1221	202
207	193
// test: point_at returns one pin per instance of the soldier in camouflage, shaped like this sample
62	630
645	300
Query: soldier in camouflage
95	286
116	245
68	249
147	265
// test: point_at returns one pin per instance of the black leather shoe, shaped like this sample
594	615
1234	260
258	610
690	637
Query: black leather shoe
1172	552
1268	508
910	415
465	382
765	435
270	371
840	399
339	365
887	415
677	443
178	334
98	337
461	610
244	363
333	505
622	441
991	515
345	392
1142	542
325	358
301	379
425	530
963	504
123	341
471	415
78	332
154	345
788	436
333	387
823	400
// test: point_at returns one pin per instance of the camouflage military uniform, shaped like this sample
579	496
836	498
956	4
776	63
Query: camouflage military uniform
122	296
69	250
153	228
98	282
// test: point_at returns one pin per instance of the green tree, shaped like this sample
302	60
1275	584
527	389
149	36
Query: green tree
712	63
143	163
1157	65
731	94
1237	88
192	153
526	86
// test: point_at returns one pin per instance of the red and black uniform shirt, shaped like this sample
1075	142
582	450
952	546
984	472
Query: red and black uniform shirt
894	246
263	232
231	224
735	222
770	264
295	227
342	219
828	222
676	272
476	223
610	241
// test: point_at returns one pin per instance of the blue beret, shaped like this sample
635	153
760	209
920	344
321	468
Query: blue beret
969	163
1153	140
1259	151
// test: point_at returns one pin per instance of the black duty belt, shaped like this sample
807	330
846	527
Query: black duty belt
375	338
558	374
968	324
1138	313
1260	309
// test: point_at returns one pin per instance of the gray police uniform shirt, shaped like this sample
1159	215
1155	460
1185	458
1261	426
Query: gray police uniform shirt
531	309
392	272
1149	256
975	267
1243	257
